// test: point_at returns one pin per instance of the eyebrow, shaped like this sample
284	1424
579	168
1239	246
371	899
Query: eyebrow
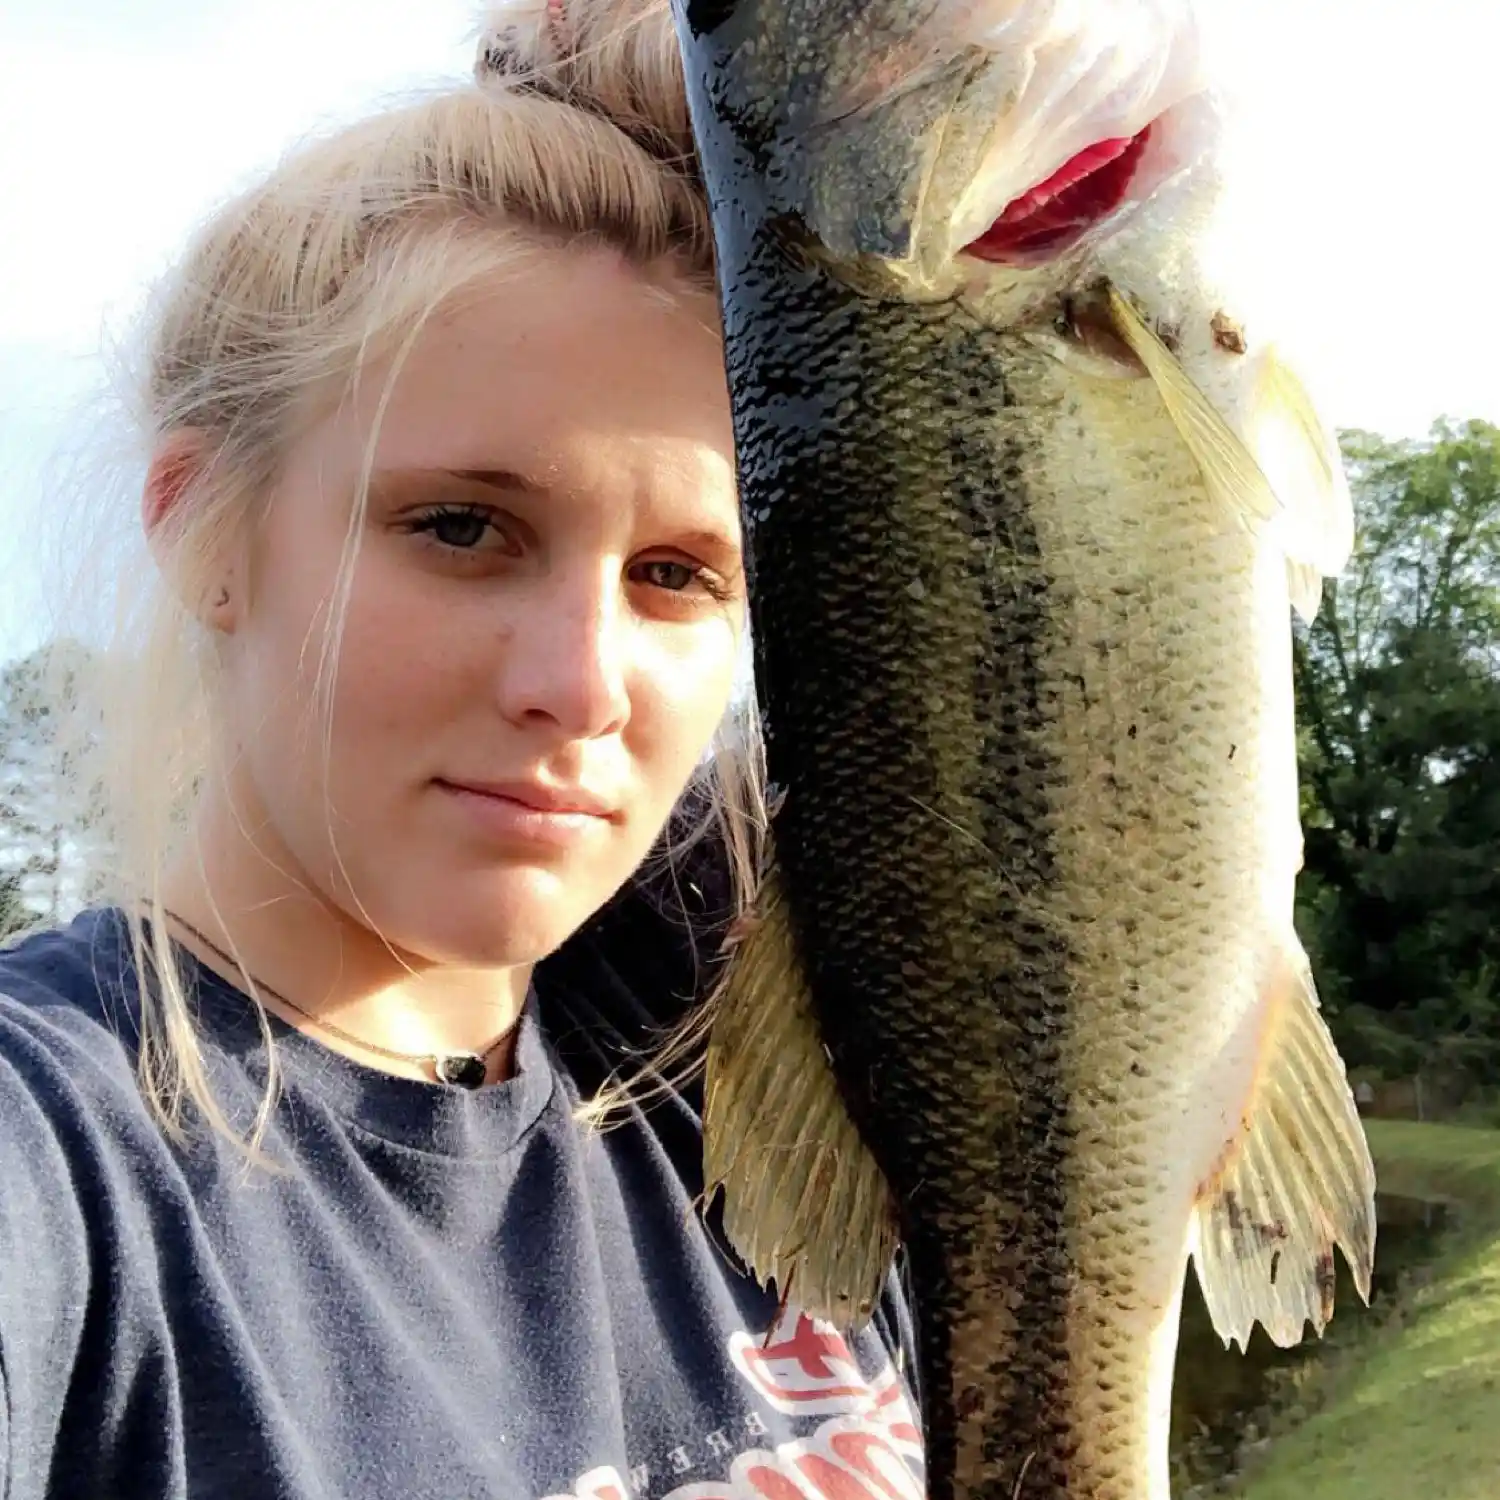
500	479
711	539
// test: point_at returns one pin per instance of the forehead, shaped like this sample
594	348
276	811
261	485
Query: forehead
569	366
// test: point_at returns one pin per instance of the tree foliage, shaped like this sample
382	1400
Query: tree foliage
1398	695
40	836
12	910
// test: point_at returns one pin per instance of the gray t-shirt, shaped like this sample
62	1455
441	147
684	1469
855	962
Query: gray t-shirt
447	1295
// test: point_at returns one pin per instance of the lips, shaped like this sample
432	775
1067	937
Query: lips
1055	214
556	801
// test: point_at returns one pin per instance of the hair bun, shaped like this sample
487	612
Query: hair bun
614	59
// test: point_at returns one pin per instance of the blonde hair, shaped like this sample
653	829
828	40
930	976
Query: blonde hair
574	128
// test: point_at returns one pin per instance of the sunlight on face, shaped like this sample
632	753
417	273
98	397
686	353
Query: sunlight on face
544	621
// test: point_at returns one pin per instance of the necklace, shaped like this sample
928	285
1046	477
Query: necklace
464	1070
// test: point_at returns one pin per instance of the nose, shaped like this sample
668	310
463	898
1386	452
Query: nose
565	662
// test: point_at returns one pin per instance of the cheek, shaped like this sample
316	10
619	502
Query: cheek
387	667
403	656
685	687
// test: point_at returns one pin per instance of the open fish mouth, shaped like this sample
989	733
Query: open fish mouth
1055	215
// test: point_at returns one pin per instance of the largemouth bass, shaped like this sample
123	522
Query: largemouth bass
1029	502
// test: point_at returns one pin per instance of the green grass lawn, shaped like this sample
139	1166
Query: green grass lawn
1415	1414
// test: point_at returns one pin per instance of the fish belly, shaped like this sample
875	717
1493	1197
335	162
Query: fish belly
1174	829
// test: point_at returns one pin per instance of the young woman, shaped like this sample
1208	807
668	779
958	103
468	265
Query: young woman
422	825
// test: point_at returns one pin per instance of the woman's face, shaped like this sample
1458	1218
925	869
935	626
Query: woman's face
543	624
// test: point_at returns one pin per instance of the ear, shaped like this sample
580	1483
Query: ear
210	586
175	460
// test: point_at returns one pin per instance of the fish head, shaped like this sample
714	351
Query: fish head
1006	152
1069	172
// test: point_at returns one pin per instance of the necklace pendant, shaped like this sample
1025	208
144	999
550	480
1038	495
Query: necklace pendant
463	1070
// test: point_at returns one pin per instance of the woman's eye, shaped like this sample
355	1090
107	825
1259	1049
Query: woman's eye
460	531
664	574
462	528
690	584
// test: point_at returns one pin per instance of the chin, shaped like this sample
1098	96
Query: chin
512	917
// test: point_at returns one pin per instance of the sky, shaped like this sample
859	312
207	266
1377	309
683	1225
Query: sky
123	122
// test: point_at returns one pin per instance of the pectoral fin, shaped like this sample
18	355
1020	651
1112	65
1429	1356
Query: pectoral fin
1229	468
1285	472
1298	1182
805	1204
1301	461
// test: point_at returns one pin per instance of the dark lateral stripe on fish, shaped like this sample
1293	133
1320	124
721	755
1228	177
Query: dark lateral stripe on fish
892	574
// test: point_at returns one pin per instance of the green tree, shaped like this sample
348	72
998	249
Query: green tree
40	839
12	912
1398	695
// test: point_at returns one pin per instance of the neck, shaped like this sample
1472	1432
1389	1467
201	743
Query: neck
240	890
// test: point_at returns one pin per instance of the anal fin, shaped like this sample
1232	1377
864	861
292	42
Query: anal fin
805	1204
1299	1182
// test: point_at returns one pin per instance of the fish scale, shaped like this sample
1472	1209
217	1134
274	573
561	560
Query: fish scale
1022	995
